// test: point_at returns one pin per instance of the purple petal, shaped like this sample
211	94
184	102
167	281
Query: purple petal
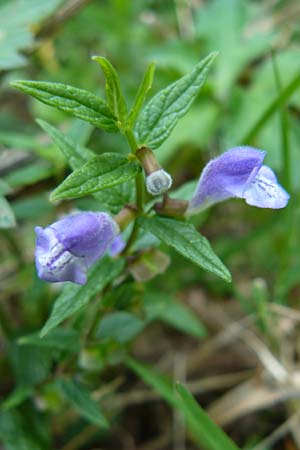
227	176
265	192
86	234
118	244
68	247
54	263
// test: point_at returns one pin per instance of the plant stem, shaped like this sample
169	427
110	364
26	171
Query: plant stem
139	192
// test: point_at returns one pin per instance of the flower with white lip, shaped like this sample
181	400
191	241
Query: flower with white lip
67	248
239	172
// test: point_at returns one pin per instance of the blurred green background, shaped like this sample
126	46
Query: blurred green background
235	346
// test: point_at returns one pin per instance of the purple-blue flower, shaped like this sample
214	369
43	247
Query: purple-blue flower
117	246
239	172
68	247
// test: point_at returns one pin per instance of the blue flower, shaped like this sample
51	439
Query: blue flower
239	172
68	247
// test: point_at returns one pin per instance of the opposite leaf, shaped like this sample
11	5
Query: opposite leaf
187	241
101	172
78	102
141	95
114	94
164	110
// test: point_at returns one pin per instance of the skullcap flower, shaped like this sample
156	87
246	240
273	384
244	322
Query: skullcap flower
239	172
117	246
68	247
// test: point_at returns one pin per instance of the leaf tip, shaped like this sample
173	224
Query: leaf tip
43	331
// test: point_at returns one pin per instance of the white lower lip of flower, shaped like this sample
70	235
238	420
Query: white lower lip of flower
158	182
56	260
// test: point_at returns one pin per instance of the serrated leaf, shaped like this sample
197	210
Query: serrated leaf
160	306
75	154
7	217
161	114
60	339
73	298
204	430
187	241
101	172
78	102
81	400
115	98
113	199
141	95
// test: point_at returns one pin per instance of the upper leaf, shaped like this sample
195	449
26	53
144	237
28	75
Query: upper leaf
78	102
101	172
73	298
187	241
141	95
165	109
114	94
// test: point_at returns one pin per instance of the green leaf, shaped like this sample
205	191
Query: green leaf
141	95
78	102
18	396
187	241
204	430
31	365
121	326
272	108
115	98
81	400
15	434
30	174
160	382
75	154
163	307
101	172
113	199
7	217
161	114
195	422
73	298
60	339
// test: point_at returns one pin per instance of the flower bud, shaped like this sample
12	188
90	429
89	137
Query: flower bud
158	182
68	247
